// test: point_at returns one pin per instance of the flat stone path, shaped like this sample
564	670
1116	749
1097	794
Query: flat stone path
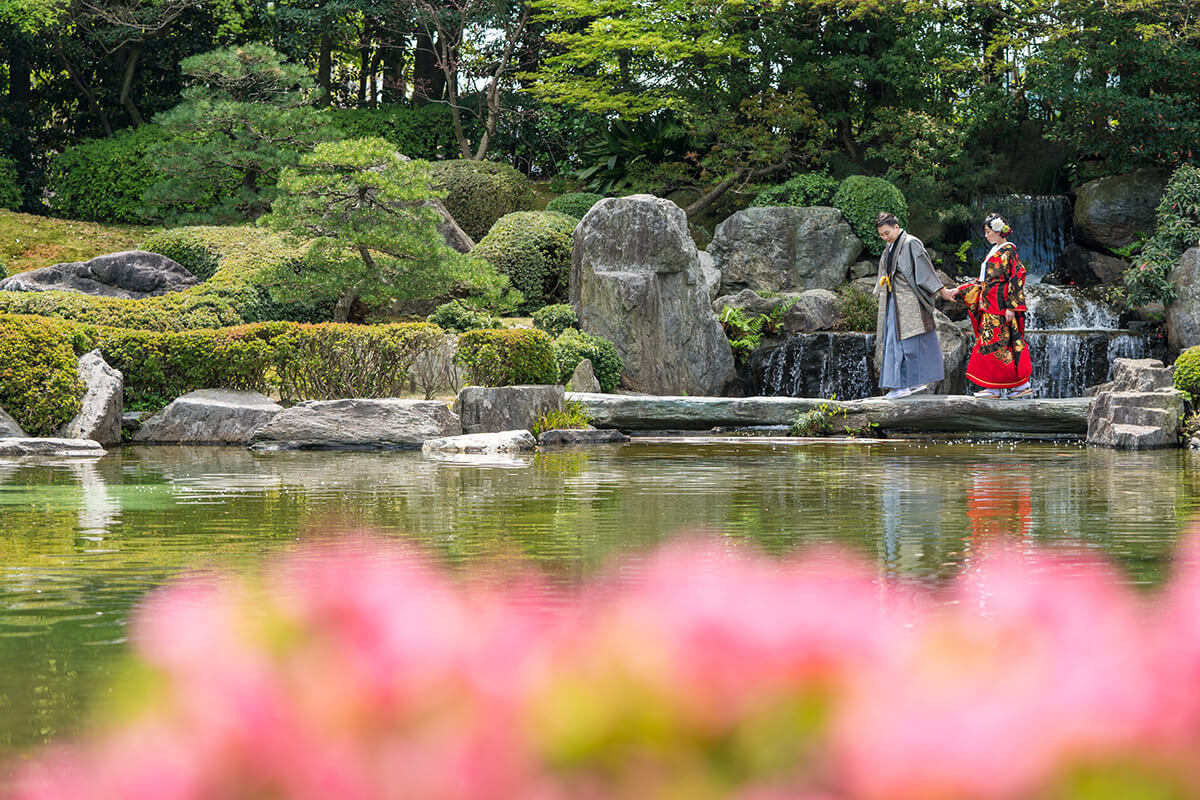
930	413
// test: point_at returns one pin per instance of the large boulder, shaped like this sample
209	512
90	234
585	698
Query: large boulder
784	249
49	446
636	280
1083	267
486	443
103	401
387	423
209	416
131	274
814	310
491	409
9	429
1111	212
1139	410
1183	315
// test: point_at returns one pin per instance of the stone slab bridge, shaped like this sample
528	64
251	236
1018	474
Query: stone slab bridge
1058	417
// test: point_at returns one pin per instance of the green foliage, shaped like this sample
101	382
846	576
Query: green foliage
104	179
245	116
458	317
425	132
373	235
631	149
926	155
1177	228
1187	372
573	417
39	377
507	357
861	199
3	271
10	184
480	192
330	361
187	247
554	319
744	332
805	189
574	204
857	309
533	248
573	346
816	422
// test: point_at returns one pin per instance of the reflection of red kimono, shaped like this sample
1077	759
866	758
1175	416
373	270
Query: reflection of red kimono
999	502
1000	357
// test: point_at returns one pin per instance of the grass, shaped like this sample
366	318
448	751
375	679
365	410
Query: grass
28	241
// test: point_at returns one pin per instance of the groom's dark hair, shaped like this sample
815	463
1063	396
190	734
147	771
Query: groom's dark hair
886	218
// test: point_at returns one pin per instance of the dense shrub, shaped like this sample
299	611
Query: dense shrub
329	361
573	346
103	179
574	204
3	270
1176	228
507	357
805	189
555	319
480	192
39	376
861	199
457	317
10	185
1187	373
857	309
426	132
533	248
189	248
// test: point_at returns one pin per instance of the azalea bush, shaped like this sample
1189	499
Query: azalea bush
355	668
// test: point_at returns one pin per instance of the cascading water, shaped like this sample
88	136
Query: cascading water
1041	228
822	364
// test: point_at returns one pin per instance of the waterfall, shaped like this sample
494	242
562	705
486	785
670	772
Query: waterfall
824	364
1067	362
1064	308
1041	228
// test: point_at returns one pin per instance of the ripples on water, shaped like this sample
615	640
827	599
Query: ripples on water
81	542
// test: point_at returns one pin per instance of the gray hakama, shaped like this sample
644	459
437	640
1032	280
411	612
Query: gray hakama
908	362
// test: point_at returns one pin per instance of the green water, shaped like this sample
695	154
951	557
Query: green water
82	541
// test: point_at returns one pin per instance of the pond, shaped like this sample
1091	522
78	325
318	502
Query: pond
82	541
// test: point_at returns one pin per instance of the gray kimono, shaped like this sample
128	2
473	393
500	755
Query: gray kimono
907	349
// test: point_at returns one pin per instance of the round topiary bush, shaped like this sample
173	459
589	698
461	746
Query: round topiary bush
573	346
533	248
1187	372
103	179
10	185
555	319
188	248
480	192
574	204
805	189
861	199
456	317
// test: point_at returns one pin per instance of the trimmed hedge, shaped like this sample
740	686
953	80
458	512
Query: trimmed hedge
103	179
555	319
861	199
574	204
573	346
803	190
426	132
533	248
188	248
1187	372
507	357
39	373
10	184
480	192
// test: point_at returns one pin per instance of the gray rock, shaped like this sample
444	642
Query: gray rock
1139	410
748	301
1111	212
866	284
1084	267
814	310
583	379
1183	315
576	437
487	443
490	409
636	281
784	249
100	415
710	276
130	274
9	429
132	420
357	424
863	269
18	447
452	233
209	416
951	413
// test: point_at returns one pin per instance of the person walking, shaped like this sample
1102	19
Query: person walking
911	357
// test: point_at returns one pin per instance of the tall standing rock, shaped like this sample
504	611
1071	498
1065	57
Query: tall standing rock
1183	315
99	418
636	280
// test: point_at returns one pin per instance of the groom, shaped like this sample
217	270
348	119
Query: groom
911	355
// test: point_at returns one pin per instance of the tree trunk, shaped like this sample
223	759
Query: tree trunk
424	69
325	70
131	61
93	104
740	176
341	309
394	86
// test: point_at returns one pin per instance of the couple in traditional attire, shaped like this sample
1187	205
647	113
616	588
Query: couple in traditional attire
911	358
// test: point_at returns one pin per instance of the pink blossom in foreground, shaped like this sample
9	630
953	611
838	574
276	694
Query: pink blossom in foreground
359	670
